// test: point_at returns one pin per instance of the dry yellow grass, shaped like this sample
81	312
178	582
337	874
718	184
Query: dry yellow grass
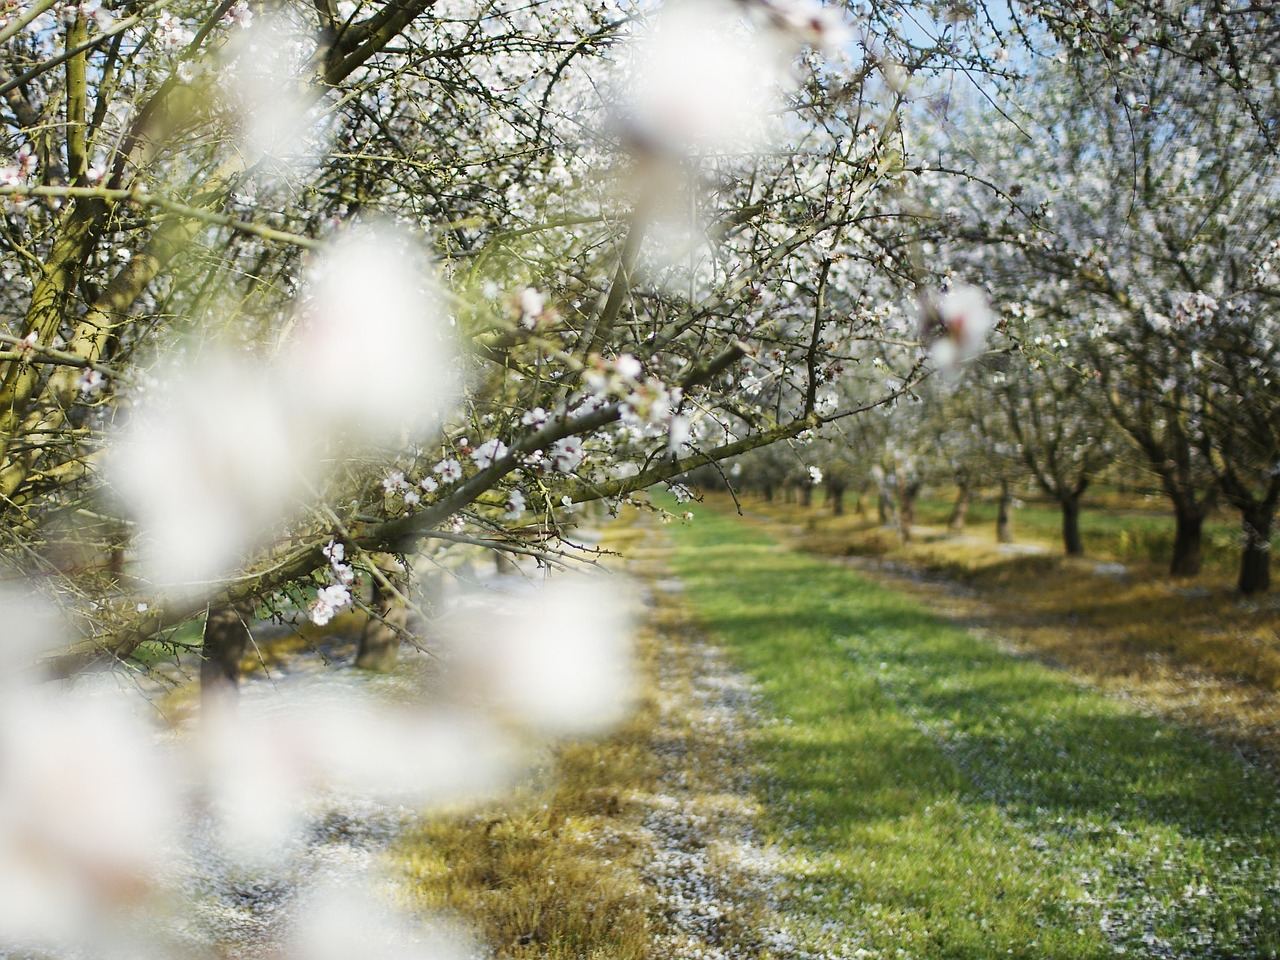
1192	649
551	870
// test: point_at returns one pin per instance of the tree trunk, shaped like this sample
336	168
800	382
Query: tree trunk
960	509
806	494
883	504
835	494
380	639
768	493
226	641
907	494
1255	560
1071	541
1189	524
1004	514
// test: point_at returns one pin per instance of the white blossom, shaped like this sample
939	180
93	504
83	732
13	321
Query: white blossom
393	482
514	506
488	453
91	382
536	418
567	453
450	470
532	305
965	319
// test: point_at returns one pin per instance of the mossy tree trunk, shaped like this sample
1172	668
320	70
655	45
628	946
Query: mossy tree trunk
960	509
835	494
1071	541
1004	513
226	641
380	640
1187	540
1255	559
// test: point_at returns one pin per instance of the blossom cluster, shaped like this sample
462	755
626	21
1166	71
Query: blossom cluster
646	402
1196	308
172	32
239	14
450	470
91	383
335	596
104	815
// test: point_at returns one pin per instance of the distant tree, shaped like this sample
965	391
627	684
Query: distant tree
1139	210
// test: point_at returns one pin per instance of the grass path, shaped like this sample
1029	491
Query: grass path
936	798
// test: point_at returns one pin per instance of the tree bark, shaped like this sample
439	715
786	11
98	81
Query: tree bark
907	509
835	494
960	509
1071	541
1004	514
226	641
1187	540
1255	559
380	639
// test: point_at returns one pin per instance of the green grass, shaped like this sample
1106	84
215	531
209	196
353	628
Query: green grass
936	798
1128	536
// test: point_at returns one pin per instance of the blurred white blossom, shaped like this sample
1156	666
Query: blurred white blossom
344	919
704	79
263	86
558	662
372	354
959	322
262	764
207	466
88	813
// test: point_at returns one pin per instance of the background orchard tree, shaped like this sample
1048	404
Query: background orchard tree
1058	420
1140	199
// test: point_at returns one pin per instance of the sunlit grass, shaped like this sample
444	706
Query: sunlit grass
943	799
1130	624
1129	529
